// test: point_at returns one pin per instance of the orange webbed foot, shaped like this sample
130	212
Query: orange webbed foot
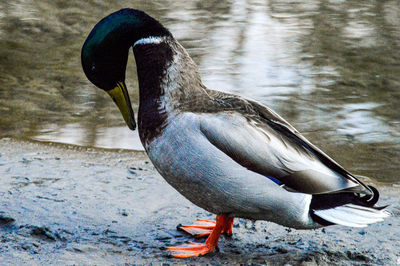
199	228
202	228
189	250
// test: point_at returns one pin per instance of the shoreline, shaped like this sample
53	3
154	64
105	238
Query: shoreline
68	204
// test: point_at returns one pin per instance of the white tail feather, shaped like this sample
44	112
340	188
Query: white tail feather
352	215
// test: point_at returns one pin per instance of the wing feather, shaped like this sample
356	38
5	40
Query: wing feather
283	126
262	141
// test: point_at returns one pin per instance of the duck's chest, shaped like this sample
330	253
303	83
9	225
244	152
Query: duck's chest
176	147
152	120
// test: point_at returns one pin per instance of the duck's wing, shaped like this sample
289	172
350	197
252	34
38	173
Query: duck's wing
260	140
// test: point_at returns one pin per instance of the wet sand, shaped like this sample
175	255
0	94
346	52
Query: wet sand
63	204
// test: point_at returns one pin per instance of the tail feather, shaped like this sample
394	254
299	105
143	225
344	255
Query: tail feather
352	215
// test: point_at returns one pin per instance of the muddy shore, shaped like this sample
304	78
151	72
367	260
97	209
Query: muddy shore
63	204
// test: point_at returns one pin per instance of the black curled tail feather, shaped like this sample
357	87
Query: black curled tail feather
370	201
328	201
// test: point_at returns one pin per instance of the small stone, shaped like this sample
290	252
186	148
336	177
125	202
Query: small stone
42	232
131	170
24	160
6	220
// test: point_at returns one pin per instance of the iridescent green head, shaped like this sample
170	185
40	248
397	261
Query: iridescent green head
105	53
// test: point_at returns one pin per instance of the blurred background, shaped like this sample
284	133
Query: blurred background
331	68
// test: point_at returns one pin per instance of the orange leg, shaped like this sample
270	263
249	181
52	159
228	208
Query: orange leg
202	228
228	230
192	249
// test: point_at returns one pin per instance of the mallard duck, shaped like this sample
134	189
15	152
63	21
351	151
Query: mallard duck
229	155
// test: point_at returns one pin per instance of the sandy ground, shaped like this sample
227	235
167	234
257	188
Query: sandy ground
64	204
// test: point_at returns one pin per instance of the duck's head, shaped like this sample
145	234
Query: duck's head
105	53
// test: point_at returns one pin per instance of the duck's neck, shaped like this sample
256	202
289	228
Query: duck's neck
167	77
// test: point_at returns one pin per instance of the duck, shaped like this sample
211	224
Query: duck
229	155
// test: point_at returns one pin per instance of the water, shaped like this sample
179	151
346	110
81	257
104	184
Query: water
331	68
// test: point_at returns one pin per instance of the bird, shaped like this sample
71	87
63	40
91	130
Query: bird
229	155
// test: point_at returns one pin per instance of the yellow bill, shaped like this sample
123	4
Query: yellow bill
121	97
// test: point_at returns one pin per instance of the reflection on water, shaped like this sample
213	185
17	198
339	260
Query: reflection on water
331	69
120	137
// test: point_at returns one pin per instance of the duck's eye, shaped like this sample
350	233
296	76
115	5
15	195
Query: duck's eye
93	69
